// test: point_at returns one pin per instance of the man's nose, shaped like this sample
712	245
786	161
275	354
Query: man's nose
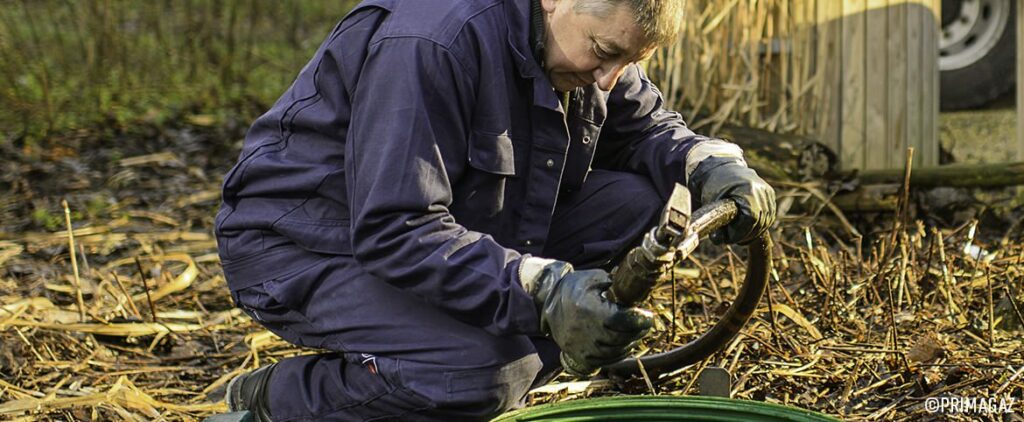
607	75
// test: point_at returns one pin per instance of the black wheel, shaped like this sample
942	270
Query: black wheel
976	52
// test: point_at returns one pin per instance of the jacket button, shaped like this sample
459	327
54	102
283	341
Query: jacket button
529	242
550	163
586	140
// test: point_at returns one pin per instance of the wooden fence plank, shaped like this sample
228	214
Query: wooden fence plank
829	57
851	141
915	72
897	98
929	143
877	151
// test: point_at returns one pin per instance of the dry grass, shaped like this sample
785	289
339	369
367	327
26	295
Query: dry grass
746	62
861	332
858	333
126	316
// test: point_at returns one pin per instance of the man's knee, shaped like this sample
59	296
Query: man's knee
637	198
475	393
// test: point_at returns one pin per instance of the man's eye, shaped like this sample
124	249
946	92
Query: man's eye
601	54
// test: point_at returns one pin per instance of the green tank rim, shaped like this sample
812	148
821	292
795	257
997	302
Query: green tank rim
663	408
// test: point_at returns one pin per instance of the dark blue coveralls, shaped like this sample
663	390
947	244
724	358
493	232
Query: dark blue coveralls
381	208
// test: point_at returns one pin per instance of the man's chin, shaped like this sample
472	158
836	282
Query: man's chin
565	83
561	87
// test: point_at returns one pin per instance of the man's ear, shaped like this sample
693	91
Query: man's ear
548	5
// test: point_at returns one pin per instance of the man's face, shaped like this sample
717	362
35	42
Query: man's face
580	48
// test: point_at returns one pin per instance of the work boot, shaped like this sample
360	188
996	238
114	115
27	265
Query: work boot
250	391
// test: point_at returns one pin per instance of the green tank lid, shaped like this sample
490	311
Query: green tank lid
662	408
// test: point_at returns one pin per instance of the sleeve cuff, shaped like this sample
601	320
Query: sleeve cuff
530	270
711	148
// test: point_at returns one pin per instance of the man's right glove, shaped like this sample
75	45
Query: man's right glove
589	329
715	170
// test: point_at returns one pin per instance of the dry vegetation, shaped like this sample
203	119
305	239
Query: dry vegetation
866	315
138	323
747	62
858	332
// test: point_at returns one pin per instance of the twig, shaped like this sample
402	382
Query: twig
124	291
145	283
1013	303
672	271
1016	374
732	271
771	305
947	279
860	257
892	321
85	260
901	280
991	309
29	344
905	199
879	274
928	261
74	261
841	348
647	378
826	202
888	408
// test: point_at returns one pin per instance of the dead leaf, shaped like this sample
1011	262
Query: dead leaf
927	348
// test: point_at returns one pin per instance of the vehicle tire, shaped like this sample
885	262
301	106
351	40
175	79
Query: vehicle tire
977	52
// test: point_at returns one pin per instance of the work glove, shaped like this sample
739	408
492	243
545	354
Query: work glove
727	177
589	329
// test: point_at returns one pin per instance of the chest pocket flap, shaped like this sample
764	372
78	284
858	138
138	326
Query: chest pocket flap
492	153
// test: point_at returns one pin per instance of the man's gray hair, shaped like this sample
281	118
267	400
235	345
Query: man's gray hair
659	20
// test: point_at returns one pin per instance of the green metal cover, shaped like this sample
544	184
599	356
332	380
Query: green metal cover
662	408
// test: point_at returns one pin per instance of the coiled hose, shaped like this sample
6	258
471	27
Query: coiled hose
706	220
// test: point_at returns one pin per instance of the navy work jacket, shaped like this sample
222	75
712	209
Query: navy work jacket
424	140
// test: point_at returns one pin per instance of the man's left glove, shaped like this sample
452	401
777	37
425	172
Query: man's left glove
591	330
727	177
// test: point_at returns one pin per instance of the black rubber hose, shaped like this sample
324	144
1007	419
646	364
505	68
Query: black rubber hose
706	220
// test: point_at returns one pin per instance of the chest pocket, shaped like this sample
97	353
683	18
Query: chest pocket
492	153
480	195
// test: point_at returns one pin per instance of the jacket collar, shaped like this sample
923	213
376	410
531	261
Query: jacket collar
518	12
519	27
